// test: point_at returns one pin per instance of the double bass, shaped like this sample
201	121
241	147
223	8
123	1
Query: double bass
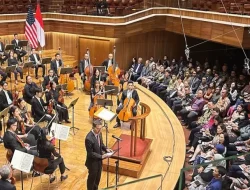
88	71
114	71
126	113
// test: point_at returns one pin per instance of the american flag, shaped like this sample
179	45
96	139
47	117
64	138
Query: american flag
30	29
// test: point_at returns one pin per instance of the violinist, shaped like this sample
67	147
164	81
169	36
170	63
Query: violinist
38	110
129	93
13	142
94	91
35	58
49	78
56	95
13	61
21	130
83	65
5	181
29	89
47	150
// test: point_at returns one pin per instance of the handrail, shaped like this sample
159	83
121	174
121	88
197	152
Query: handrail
145	114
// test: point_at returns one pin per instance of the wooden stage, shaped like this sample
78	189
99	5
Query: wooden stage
162	126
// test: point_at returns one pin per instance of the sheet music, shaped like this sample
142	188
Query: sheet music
22	161
60	131
106	115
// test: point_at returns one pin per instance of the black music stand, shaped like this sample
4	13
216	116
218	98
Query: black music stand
4	114
112	90
45	61
28	65
65	71
9	70
72	105
9	47
104	103
23	43
102	69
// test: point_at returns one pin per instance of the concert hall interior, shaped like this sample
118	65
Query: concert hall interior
124	94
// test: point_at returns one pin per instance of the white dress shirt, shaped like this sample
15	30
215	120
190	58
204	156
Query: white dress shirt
8	98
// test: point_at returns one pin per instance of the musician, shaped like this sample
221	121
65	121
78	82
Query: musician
6	98
13	61
47	150
13	142
97	89
137	69
17	49
29	89
56	63
96	77
129	93
84	63
57	95
37	108
94	147
3	54
36	62
2	74
6	173
49	78
102	8
21	130
108	62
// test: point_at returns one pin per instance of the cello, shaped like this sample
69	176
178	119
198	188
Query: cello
88	71
114	71
126	113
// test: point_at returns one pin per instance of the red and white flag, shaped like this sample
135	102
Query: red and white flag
30	29
39	26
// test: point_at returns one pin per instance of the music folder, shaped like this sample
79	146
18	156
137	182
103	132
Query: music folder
66	70
59	131
22	161
28	64
105	114
22	43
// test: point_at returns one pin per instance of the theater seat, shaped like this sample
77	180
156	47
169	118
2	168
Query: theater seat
117	2
235	8
7	2
20	8
246	9
2	9
195	4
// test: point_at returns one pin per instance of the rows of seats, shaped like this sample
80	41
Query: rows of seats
20	6
229	6
116	7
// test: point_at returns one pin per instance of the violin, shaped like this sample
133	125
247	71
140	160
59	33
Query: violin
126	113
114	71
50	107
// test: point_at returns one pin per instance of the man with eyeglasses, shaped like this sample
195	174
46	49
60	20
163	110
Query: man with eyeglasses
50	78
129	93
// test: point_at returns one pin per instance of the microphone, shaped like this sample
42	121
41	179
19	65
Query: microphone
117	138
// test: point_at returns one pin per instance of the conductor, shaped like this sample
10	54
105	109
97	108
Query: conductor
94	147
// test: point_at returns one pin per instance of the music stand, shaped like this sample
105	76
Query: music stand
66	70
112	90
28	65
4	114
23	43
102	69
9	47
9	70
72	105
45	61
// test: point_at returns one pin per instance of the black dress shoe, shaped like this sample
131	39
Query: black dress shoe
52	179
60	122
64	177
67	121
117	125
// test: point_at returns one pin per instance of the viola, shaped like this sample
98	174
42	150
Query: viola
22	127
126	113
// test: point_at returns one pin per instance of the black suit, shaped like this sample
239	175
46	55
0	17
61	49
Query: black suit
38	111
3	53
194	84
94	159
13	62
46	81
3	100
17	49
53	65
106	63
137	71
6	185
29	92
83	63
124	96
32	58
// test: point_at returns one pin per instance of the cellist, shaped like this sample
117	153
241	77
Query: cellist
128	93
54	94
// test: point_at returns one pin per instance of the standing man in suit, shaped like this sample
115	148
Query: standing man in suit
137	69
129	93
108	62
194	82
56	63
83	64
50	78
38	108
17	49
3	54
6	173
29	89
36	61
94	147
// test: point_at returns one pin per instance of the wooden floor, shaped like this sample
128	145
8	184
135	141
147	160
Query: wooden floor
162	126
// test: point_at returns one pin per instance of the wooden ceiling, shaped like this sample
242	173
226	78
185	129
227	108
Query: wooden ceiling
217	27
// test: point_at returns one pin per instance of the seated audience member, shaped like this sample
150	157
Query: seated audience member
208	76
187	77
163	86
203	85
209	92
152	75
233	93
171	88
145	71
241	82
216	95
102	8
223	102
158	80
6	174
189	113
232	78
14	142
200	74
137	69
